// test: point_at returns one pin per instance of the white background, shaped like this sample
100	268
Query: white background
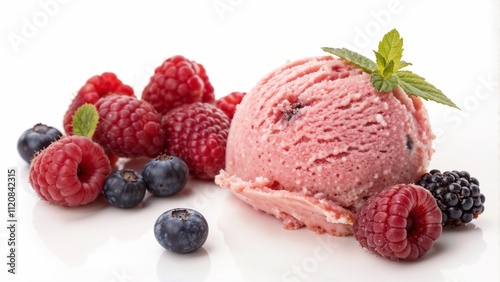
50	48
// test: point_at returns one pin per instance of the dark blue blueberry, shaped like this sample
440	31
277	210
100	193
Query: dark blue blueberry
165	175
181	230
124	188
36	139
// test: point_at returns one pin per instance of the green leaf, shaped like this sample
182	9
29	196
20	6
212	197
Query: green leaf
389	69
416	85
85	120
353	57
381	62
403	64
384	84
391	48
386	74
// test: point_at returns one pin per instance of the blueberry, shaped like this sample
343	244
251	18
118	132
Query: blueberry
124	188
181	230
165	175
36	139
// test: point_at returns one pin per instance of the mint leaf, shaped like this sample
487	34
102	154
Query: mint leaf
389	69
416	85
353	57
381	62
391	48
403	64
382	83
386	74
85	120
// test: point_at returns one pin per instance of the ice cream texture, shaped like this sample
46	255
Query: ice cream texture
313	140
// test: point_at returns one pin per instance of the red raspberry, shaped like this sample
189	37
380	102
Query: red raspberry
400	222
176	82
197	133
129	127
229	102
96	87
70	171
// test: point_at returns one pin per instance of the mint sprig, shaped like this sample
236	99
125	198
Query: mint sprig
386	73
85	120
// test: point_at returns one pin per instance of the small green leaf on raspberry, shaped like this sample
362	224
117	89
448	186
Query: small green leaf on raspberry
85	120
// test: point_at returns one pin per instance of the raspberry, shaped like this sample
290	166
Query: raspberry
129	127
457	194
197	133
399	223
70	171
96	87
229	102
176	82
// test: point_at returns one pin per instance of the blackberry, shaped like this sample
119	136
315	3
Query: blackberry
457	194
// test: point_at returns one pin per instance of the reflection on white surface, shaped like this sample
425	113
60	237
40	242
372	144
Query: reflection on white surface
183	267
458	250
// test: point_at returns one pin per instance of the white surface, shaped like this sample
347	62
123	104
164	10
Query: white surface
454	44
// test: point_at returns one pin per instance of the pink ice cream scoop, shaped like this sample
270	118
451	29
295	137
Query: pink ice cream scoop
313	140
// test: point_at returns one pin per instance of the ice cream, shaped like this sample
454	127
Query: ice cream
313	140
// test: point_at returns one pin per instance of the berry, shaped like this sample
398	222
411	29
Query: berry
176	82
124	188
95	88
129	127
165	175
70	171
229	102
197	133
36	139
181	230
399	223
457	195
